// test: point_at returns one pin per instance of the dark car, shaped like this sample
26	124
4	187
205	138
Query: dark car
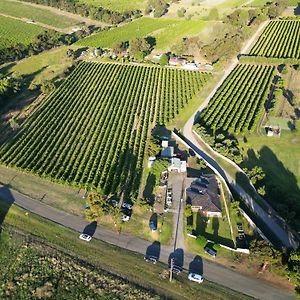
191	152
176	269
150	258
152	226
210	251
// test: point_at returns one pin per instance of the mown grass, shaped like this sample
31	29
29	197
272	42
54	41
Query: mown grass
117	5
21	10
14	31
139	28
127	264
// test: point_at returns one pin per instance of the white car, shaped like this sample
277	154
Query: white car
126	206
85	237
195	277
125	218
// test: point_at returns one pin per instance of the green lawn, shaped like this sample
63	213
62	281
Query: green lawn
279	158
139	28
20	10
44	66
117	5
167	32
125	263
15	31
174	33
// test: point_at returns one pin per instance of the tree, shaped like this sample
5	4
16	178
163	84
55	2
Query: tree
98	206
139	48
47	87
181	12
213	14
164	60
153	147
118	47
188	211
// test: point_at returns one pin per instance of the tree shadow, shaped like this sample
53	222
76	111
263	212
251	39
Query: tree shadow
215	227
297	10
201	224
149	188
6	201
196	265
282	190
151	40
154	250
90	229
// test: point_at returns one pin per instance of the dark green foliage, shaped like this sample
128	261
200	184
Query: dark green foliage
158	7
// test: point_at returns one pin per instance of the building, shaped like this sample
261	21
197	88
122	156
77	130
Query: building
167	151
177	165
190	67
175	61
203	195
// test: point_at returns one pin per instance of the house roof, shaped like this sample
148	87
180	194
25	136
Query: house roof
167	152
204	192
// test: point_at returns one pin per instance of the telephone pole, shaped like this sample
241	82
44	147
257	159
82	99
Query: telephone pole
171	269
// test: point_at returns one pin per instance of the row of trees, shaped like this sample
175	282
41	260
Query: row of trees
99	145
279	40
89	10
246	88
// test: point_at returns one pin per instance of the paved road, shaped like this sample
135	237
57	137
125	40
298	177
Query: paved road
211	271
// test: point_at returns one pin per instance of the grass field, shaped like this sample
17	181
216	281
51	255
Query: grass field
167	32
44	66
117	5
264	2
14	31
33	270
139	28
126	264
97	107
21	10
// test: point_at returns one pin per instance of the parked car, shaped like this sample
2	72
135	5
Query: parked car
169	192
210	251
191	152
125	218
114	202
85	237
126	206
240	227
150	258
195	277
152	226
169	201
176	269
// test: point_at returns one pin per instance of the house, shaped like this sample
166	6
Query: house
175	61
203	195
157	56
190	67
177	165
167	151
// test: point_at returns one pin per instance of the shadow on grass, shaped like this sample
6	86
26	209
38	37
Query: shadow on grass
281	186
6	201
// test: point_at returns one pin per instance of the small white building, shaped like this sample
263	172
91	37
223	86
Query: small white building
157	56
177	165
151	161
190	67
